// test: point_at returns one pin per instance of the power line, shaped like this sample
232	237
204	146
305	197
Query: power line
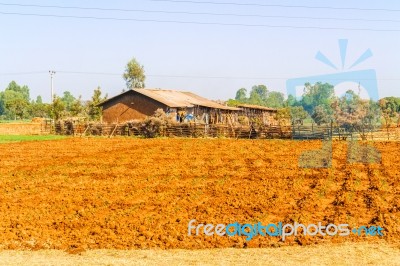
196	77
200	13
166	76
276	5
200	23
89	73
22	73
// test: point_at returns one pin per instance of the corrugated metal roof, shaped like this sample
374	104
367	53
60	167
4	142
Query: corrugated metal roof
170	98
259	107
198	100
182	99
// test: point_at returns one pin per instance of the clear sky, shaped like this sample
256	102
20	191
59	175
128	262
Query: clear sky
209	49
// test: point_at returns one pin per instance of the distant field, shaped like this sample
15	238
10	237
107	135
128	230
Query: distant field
19	138
124	193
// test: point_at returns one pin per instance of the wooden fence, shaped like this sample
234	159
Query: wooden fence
178	130
326	132
218	130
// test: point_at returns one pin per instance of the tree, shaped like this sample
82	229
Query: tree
76	107
297	115
320	115
291	101
39	99
14	101
354	113
94	111
38	109
275	99
283	116
373	114
57	108
388	112
233	103
23	90
318	94
15	104
241	95
258	95
68	100
134	74
2	105
390	107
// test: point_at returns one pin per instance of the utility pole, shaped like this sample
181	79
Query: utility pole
52	73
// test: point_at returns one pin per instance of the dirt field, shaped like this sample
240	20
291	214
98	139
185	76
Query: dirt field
79	194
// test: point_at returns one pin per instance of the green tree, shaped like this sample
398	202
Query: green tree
39	99
241	95
23	90
233	103
77	108
291	101
2	105
14	101
258	95
389	111
390	107
318	94
134	74
15	104
68	100
38	108
57	109
94	111
298	115
275	99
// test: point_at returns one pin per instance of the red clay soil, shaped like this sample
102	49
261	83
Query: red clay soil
125	193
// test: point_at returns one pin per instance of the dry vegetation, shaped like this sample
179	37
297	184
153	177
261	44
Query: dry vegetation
80	194
336	254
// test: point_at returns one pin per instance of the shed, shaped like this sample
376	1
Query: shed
141	103
266	115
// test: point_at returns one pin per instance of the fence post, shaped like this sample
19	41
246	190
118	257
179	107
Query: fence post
293	131
312	130
298	128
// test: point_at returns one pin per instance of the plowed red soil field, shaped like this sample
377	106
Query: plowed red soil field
125	193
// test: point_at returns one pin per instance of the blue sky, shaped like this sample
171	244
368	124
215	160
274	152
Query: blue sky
211	59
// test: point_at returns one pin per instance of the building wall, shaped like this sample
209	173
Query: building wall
267	117
129	106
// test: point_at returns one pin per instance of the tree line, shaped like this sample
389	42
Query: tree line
16	104
321	106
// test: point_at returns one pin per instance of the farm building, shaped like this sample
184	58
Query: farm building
265	115
184	106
